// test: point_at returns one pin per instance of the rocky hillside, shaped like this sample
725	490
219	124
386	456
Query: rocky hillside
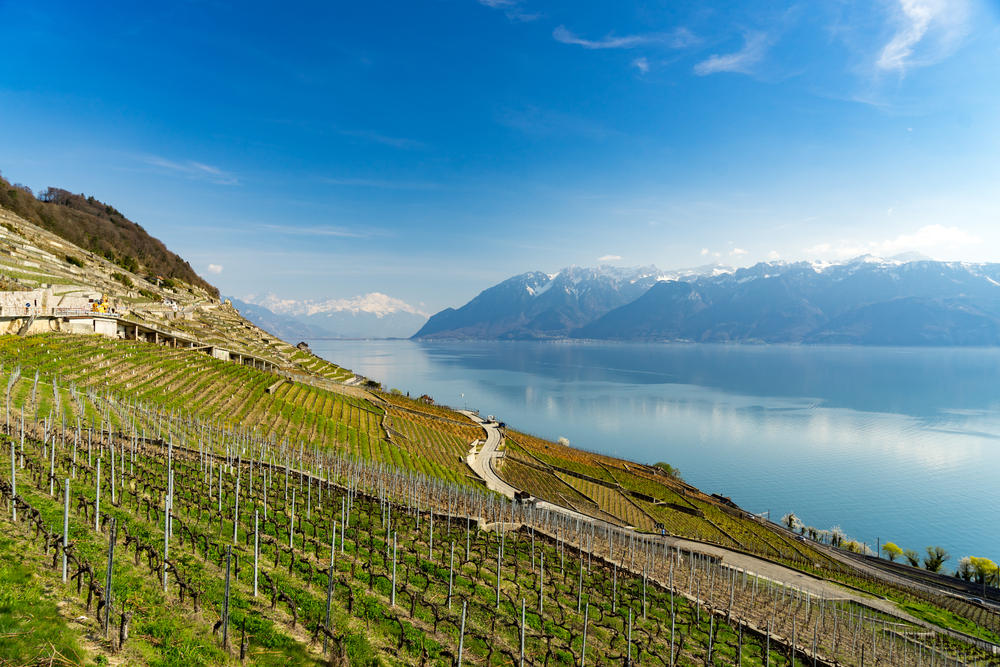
100	229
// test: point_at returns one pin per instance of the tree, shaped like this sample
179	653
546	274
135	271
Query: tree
891	551
964	570
912	556
984	569
837	536
667	468
791	522
936	557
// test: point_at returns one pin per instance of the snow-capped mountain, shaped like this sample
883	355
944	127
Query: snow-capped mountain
867	301
373	315
903	300
537	305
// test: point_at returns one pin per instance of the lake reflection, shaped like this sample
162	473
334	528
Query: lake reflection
897	444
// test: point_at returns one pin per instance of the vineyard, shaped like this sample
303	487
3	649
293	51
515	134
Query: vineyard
133	432
607	492
428	408
440	447
271	554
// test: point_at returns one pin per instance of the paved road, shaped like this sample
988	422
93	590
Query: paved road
484	463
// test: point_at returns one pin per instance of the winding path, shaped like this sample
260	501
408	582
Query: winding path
483	462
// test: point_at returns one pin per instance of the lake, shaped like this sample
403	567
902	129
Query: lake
897	444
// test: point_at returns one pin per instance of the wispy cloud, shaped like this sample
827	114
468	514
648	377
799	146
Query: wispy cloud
512	9
742	61
773	255
193	169
215	268
642	64
608	258
395	142
738	251
323	231
373	183
946	21
537	122
676	39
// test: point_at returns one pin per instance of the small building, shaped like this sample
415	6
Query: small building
304	346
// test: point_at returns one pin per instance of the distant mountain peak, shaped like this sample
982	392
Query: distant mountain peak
373	303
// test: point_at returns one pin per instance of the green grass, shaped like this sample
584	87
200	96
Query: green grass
946	619
31	629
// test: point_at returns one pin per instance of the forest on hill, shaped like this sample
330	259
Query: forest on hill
100	228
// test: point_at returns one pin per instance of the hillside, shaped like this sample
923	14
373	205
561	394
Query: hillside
360	520
264	507
101	230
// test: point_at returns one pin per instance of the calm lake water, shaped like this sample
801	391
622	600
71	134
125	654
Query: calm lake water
890	443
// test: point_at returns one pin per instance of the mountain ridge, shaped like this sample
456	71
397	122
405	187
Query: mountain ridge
541	306
908	299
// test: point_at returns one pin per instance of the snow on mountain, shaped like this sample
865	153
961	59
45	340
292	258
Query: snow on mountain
373	315
374	303
868	300
537	305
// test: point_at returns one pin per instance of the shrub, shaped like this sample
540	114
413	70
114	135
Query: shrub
75	261
123	279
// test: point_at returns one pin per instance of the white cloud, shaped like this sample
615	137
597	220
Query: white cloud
676	39
716	254
889	212
704	251
215	268
773	255
741	61
738	252
608	258
642	64
926	237
942	22
193	169
512	9
929	236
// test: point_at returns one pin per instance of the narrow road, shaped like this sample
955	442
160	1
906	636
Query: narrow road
483	464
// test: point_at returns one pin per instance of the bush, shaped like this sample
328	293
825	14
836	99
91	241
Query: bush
75	261
123	279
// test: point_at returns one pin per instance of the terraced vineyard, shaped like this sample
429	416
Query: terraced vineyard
445	451
611	502
238	553
430	409
177	379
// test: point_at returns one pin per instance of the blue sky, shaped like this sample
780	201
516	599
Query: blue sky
428	150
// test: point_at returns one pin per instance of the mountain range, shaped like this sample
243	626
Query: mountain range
902	300
373	315
540	306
